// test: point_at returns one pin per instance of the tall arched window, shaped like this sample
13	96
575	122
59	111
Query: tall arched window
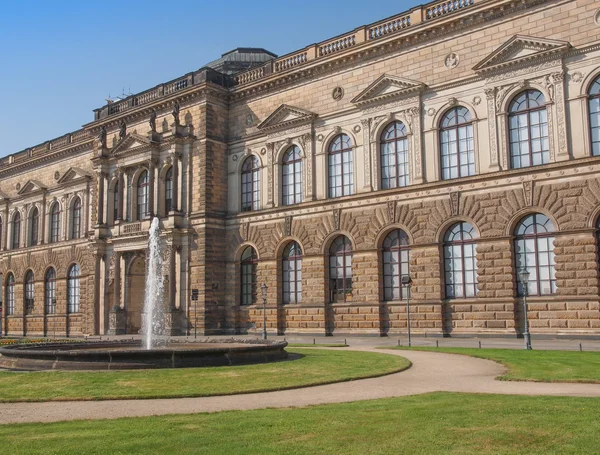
595	116
292	176
340	269
10	294
396	252
534	251
16	231
116	202
460	261
29	292
457	148
341	169
169	191
248	274
76	219
528	130
251	184
54	222
50	291
34	226
292	273
394	156
143	188
73	289
598	241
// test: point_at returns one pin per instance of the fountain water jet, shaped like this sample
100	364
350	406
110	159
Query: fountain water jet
152	327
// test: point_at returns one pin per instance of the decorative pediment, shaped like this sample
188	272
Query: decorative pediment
74	173
31	187
388	87
286	117
522	49
130	142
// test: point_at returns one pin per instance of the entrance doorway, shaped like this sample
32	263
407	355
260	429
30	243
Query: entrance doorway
136	288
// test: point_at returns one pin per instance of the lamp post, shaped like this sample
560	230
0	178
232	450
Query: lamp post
406	283
524	278
263	290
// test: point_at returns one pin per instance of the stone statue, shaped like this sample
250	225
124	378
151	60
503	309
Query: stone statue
152	121
122	129
102	136
176	114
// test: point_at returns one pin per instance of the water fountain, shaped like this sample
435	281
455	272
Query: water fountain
153	351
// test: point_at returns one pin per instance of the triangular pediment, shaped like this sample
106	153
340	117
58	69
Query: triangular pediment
286	117
522	49
387	87
74	173
132	141
31	187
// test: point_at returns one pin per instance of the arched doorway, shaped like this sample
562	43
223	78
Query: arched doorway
136	289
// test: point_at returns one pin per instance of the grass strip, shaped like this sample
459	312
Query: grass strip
535	365
314	367
311	345
437	423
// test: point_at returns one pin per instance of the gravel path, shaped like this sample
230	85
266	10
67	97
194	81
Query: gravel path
430	372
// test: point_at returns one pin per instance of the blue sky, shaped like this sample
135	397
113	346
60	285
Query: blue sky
61	59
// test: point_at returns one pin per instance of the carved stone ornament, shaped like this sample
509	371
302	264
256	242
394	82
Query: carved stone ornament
577	76
356	129
431	112
234	158
597	17
337	93
18	186
452	60
320	138
336	218
391	209
56	175
249	120
477	100
288	226
528	192
246	231
337	130
454	202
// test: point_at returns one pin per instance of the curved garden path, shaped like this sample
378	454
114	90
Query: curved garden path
431	372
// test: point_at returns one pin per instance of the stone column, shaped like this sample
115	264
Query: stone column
4	245
270	170
123	258
100	293
367	150
417	152
490	95
105	198
120	200
127	195
117	278
175	197
177	277
100	220
154	186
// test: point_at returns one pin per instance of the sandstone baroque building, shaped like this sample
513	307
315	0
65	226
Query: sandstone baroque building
456	143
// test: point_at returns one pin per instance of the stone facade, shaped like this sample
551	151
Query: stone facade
178	151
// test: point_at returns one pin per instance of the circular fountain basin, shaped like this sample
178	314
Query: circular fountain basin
126	355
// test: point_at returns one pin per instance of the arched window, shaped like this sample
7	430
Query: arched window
534	251
169	191
142	195
1	235
292	176
528	130
460	261
251	184
248	274
34	227
76	219
16	231
595	116
396	252
116	202
598	240
29	292
292	273
73	289
10	294
341	172
456	144
54	222
50	291
340	269
394	156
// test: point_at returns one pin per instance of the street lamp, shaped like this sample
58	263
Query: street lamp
524	278
263	290
406	282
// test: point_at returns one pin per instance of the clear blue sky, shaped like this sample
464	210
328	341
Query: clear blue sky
60	59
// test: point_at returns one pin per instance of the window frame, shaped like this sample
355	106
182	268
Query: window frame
458	126
403	261
450	286
384	145
336	170
29	293
528	111
291	167
16	231
10	294
34	226
74	289
76	218
550	236
54	223
341	247
142	195
248	269
291	271
50	291
168	200
595	85
250	184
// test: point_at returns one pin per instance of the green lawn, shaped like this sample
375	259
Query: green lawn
439	423
312	345
536	365
316	367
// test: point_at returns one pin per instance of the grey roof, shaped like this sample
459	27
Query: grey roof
241	59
